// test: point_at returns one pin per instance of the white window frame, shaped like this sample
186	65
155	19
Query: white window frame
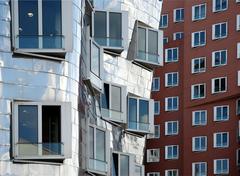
171	170
213	58
215	112
172	98
177	33
198	163
152	158
166	152
238	22
175	15
166	128
158	104
166	54
214	5
213	85
154	88
155	135
194	10
166	79
153	174
194	116
215	166
200	70
165	38
192	39
167	21
238	50
214	31
194	144
192	91
215	140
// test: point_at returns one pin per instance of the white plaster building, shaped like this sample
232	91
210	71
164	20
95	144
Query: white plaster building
75	83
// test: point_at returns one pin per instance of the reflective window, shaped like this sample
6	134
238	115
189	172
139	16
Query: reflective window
100	27
132	113
143	114
100	145
116	98
124	165
199	65
115	28
220	5
200	169
198	38
199	12
200	117
219	30
152	46
163	21
95	59
219	58
142	43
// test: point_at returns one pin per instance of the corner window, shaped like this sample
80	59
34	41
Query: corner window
221	166
171	55
238	22
156	84
171	172
219	58
221	113
220	5
199	118
199	169
198	91
198	38
164	21
153	155
171	79
219	85
219	31
120	164
221	140
41	130
171	104
171	128
156	107
199	12
199	65
178	15
171	152
178	35
199	143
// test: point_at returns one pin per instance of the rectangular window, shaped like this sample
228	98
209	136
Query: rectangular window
156	84
238	22
171	152
199	65
198	38
199	169
219	85
171	79
219	31
171	55
221	113
220	5
120	164
238	157
172	172
199	143
153	155
156	107
238	50
153	174
178	35
199	118
95	59
221	166
199	12
198	91
221	140
219	58
164	21
238	107
178	15
171	104
156	133
165	40
171	128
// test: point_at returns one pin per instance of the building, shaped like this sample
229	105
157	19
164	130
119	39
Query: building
197	91
75	85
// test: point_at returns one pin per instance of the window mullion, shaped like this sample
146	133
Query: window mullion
147	44
108	36
40	144
40	24
138	120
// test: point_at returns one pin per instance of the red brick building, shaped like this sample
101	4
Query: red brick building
197	105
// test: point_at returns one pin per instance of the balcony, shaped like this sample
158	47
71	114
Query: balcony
113	115
98	166
148	57
139	126
108	42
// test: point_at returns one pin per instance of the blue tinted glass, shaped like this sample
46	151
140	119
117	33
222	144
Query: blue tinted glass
217	31
132	113
175	54
100	27
225	165
219	139
224	4
223	57
175	103
197	12
196	39
225	112
143	114
203	13
218	4
219	167
115	29
175	151
224	138
169	55
202	38
174	127
217	58
224	29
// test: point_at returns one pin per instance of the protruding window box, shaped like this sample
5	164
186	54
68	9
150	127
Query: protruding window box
140	115
41	131
113	102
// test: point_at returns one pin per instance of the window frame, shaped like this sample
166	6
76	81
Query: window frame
175	15
172	133
166	152
192	91
153	159
214	31
166	103
215	140
215	112
166	39
194	116
130	159
154	136
172	59
165	26
238	106
215	166
154	89
153	174
171	170
158	104
194	149
178	33
166	79
238	50
214	6
214	58
194	165
238	22
213	85
193	38
194	10
199	69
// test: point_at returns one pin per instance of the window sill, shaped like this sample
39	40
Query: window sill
200	19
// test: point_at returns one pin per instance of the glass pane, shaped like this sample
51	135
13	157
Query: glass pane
28	23
153	46
124	165
115	29
138	171
105	96
116	98
100	145
115	165
143	114
91	142
100	28
142	43
95	60
132	113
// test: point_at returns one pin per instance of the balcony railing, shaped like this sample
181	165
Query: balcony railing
109	42
39	149
112	115
97	165
40	42
148	57
139	126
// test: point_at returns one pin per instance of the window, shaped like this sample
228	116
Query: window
219	58
221	113
171	79
171	104
199	143
221	166
238	22
219	85
171	152
238	107
178	35
164	21
153	155
238	50
238	157
41	130
199	169
199	65
149	45
165	40
198	38
237	1
220	5
178	15
156	133
34	31
153	174
171	55
113	104
198	91
171	128
139	170
199	12
219	30
156	84
121	164
172	172
199	118
156	107
140	114
97	149
221	140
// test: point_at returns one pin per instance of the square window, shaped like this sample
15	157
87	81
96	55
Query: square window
198	91
221	113
199	118
165	40
178	15
199	12
221	166
164	21
219	85
171	79
221	140
178	35
219	58
198	38
199	143
171	104
171	152
171	55
220	5
199	65
199	169
171	128
219	31
153	155
171	172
